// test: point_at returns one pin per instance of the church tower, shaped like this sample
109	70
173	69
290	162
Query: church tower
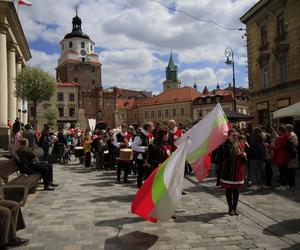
80	64
171	81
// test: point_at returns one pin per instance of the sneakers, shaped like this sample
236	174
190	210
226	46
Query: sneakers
281	188
230	212
48	188
253	187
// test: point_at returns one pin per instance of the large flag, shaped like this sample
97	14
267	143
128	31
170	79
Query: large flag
160	194
205	137
24	2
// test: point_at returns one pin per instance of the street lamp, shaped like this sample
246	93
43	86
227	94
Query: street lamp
230	61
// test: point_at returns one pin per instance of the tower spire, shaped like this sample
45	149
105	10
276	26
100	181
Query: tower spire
76	9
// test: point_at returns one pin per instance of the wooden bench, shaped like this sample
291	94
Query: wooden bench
18	188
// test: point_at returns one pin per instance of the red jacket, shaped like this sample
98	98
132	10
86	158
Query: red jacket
280	157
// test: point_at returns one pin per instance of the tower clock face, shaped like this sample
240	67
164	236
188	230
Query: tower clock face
83	52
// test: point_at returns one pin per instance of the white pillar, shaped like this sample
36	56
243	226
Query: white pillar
19	100
3	78
12	100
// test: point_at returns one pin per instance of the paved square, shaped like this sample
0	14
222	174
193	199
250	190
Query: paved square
89	211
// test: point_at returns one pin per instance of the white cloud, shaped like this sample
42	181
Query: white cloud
134	31
45	61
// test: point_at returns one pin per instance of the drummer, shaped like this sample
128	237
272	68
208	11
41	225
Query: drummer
122	140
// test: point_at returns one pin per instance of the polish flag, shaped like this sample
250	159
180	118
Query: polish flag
24	2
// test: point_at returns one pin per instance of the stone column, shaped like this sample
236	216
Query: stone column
4	130
19	101
12	100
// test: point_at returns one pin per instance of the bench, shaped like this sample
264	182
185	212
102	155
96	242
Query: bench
18	188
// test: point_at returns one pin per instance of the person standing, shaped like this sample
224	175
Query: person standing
31	136
158	151
280	157
87	147
256	156
122	140
293	161
98	148
232	171
140	147
174	134
45	143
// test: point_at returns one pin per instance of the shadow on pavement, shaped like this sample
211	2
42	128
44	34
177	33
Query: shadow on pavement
134	240
293	247
100	184
118	222
205	218
119	198
284	228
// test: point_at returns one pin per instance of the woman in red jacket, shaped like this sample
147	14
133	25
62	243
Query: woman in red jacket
280	156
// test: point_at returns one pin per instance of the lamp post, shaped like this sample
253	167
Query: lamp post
230	61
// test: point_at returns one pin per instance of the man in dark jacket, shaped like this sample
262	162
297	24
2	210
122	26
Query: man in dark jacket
31	165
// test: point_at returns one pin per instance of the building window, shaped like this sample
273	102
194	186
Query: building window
146	114
166	113
32	112
60	96
93	81
93	69
71	97
72	112
83	60
280	24
200	114
60	112
82	45
75	79
159	113
152	114
174	112
282	67
218	99
208	100
200	101
265	72
182	112
91	47
75	67
60	126
70	44
263	35
62	47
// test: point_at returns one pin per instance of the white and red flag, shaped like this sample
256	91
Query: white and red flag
24	2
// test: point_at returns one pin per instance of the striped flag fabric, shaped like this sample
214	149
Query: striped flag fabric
205	136
24	2
160	194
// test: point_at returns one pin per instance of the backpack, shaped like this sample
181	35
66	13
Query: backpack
289	148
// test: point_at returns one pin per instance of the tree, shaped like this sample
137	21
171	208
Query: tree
51	114
34	85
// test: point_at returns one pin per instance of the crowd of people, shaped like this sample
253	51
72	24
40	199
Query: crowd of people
245	160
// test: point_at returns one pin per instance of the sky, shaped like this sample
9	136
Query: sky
134	39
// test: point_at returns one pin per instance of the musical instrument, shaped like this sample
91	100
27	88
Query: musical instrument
79	152
126	154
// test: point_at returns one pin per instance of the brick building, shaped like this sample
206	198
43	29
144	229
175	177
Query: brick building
273	44
80	64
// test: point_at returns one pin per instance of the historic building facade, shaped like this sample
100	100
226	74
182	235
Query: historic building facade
80	64
14	52
65	100
273	44
171	81
208	100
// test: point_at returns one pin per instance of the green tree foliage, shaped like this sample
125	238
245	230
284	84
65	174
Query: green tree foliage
51	114
34	85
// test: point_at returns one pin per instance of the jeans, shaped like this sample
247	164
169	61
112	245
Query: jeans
46	170
256	170
283	170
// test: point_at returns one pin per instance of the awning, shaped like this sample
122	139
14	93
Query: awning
290	111
237	117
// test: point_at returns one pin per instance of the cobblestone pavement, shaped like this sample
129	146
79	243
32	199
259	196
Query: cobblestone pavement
89	211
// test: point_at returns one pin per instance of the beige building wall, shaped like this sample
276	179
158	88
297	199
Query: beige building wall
66	104
180	112
277	94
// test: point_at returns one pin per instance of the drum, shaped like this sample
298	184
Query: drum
126	154
79	152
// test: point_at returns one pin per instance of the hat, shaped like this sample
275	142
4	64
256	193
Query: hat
289	127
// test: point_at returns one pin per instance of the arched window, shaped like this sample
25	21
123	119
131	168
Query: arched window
70	44
82	45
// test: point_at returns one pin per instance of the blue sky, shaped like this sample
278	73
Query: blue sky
134	38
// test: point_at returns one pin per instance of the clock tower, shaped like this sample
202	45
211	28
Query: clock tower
79	63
